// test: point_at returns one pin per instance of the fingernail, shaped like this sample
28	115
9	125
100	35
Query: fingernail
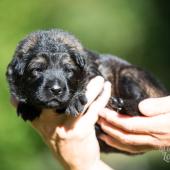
99	78
97	81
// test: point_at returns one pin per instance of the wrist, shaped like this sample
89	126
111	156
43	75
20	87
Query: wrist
84	165
98	165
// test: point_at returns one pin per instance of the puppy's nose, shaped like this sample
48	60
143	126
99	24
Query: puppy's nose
56	90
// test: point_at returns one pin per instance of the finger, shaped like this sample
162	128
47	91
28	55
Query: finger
126	148
94	88
155	106
47	122
91	115
138	124
84	124
128	138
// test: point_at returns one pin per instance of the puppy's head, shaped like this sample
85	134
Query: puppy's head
47	68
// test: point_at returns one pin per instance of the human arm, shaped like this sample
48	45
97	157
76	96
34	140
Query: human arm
73	140
140	133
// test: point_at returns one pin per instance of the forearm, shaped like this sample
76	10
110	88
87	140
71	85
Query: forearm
99	165
73	140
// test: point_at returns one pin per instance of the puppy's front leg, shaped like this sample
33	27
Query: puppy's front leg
27	111
135	85
76	104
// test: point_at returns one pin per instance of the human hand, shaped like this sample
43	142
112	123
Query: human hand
73	140
140	133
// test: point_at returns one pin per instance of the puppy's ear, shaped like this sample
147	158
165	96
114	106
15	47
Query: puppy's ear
80	58
18	63
14	76
16	67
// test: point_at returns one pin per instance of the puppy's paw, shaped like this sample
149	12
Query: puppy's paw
125	106
117	103
76	105
27	112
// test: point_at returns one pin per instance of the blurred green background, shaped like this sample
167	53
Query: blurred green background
136	30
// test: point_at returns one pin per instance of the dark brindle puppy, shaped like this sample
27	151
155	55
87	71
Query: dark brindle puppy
50	69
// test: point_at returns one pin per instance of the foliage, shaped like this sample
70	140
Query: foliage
136	30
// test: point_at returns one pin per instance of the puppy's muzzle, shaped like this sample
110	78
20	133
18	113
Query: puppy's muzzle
56	90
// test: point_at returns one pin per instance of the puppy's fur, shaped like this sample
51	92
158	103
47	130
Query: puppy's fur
50	69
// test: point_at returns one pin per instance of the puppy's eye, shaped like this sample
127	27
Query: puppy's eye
68	70
36	71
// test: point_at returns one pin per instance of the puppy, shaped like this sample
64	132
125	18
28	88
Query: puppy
50	69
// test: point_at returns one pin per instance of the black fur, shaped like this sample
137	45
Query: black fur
50	69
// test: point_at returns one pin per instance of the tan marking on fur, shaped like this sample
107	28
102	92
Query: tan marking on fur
40	60
154	92
150	90
68	60
70	41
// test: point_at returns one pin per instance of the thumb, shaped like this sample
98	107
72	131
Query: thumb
155	106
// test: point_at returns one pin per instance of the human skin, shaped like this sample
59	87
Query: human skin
69	138
73	140
140	133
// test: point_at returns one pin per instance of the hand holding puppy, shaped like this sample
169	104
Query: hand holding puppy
140	133
73	140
